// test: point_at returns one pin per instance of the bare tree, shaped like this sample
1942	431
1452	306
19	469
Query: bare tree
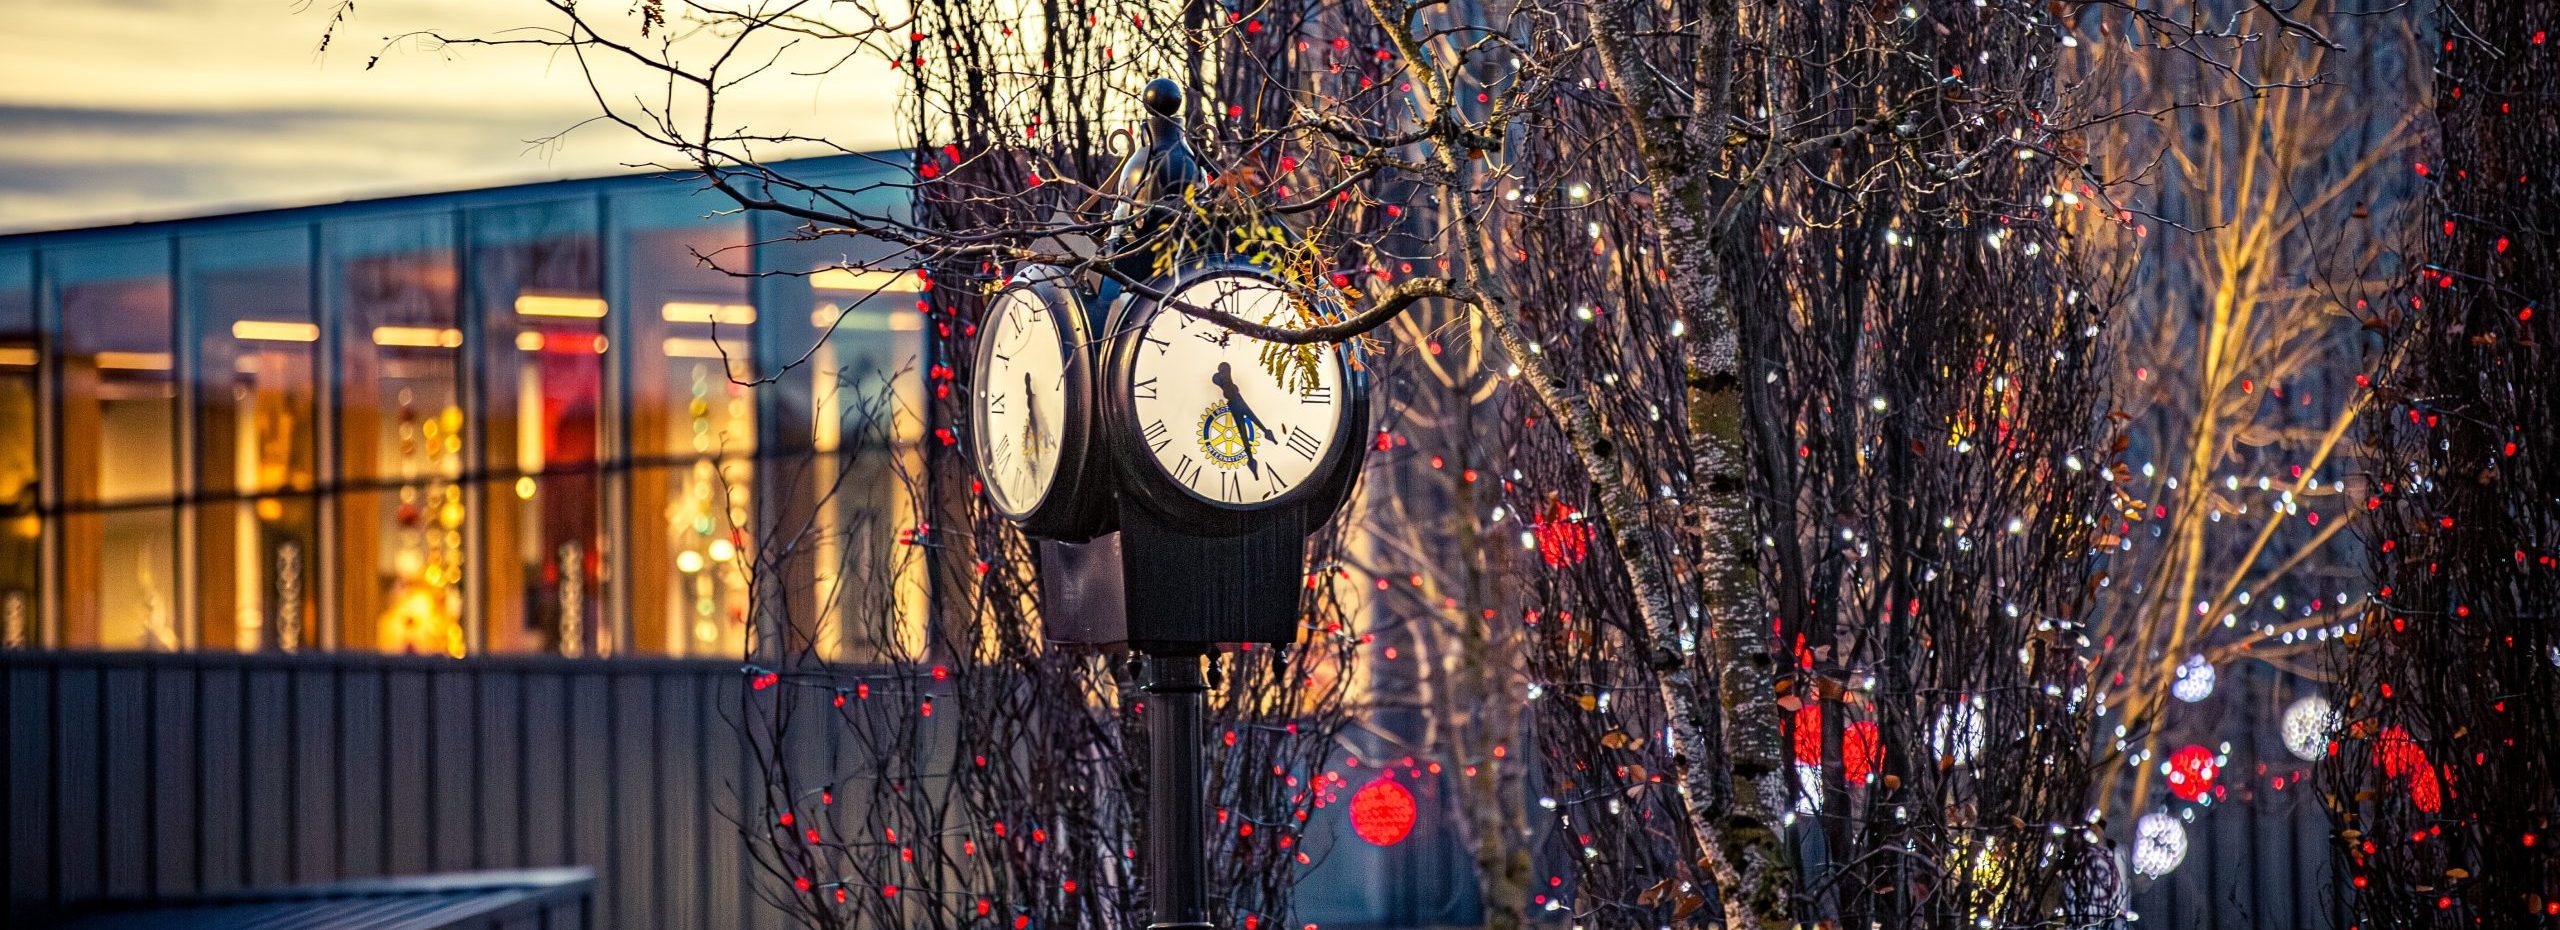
2443	779
2229	539
1656	211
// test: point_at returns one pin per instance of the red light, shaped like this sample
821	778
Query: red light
1861	746
1382	812
2191	772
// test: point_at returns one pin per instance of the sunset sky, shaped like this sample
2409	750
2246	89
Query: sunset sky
119	110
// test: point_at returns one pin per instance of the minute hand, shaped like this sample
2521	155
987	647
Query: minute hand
1246	422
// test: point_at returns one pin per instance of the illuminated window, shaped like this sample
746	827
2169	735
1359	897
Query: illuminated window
692	422
535	276
256	352
117	421
404	514
856	414
21	474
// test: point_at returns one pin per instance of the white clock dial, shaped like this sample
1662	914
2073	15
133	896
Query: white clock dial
1210	411
1020	400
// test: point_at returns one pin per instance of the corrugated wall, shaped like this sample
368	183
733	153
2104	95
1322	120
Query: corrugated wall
143	774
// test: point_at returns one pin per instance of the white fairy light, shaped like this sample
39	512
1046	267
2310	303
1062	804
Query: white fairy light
1958	733
2307	725
2159	844
2195	680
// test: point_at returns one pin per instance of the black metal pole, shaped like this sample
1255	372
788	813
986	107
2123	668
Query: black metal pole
1176	838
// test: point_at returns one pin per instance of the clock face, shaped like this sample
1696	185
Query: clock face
1211	413
1020	412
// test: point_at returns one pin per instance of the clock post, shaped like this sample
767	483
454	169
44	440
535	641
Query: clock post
1171	476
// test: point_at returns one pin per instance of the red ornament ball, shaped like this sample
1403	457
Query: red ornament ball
2191	772
1382	812
1861	746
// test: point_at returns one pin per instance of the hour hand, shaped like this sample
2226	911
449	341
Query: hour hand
1246	422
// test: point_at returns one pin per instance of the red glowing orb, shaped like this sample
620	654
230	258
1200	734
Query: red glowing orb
1382	812
2191	772
1861	746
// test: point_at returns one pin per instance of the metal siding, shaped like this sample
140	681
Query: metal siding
455	794
267	827
315	746
31	806
78	803
546	769
176	769
730	901
501	830
177	775
406	819
679	793
362	841
220	697
590	779
636	814
124	699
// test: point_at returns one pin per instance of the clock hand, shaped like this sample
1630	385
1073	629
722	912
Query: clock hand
1030	420
1246	422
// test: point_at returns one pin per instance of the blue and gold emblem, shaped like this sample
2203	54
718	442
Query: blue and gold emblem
1222	438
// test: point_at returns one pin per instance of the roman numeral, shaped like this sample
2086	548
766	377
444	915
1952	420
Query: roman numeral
1230	487
1271	477
1157	436
1319	394
1186	469
1144	390
1160	344
995	404
1304	443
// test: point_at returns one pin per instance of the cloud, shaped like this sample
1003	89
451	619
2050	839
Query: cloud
145	109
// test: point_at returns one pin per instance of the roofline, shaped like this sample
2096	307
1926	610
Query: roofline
180	225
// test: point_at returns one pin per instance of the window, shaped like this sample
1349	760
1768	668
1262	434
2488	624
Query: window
117	423
692	421
853	415
404	515
21	475
535	286
256	352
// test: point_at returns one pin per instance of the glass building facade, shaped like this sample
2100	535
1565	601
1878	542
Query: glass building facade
512	420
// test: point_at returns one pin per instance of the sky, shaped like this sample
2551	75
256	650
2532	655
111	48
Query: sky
113	111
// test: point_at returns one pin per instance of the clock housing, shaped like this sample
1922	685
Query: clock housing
1205	435
1031	413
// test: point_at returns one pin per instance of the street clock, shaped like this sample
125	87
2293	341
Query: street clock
1031	414
1213	429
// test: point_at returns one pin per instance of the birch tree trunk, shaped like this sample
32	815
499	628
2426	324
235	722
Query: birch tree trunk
1679	147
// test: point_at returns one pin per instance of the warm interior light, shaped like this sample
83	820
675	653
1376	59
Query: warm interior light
17	355
585	308
832	316
134	361
422	337
689	347
529	341
683	311
861	279
275	331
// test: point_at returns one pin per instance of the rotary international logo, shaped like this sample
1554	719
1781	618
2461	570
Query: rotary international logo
1221	438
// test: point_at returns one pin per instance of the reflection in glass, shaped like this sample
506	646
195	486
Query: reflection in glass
860	402
257	347
118	427
692	423
404	513
535	283
21	477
